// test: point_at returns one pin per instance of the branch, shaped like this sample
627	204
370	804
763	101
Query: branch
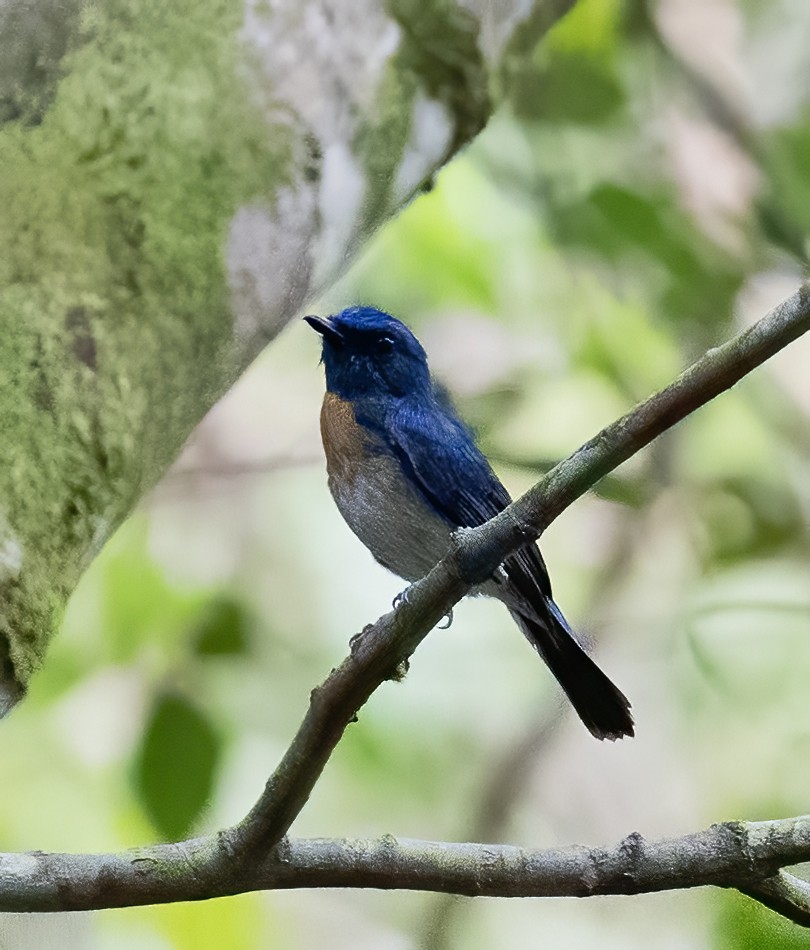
735	854
377	653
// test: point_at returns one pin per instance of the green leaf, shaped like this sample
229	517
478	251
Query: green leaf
694	279
221	629
788	178
569	87
138	602
592	25
176	765
744	924
750	517
748	628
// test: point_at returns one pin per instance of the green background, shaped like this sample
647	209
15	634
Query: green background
606	228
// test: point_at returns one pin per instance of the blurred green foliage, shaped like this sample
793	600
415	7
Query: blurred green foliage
565	266
221	630
744	925
175	765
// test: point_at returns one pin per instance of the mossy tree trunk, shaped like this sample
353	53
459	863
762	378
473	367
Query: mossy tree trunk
175	180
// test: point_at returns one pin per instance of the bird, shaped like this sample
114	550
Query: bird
406	473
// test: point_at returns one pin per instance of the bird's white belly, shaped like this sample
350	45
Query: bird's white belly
390	518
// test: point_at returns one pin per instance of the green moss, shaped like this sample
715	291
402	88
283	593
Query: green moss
36	37
439	45
380	143
115	326
437	55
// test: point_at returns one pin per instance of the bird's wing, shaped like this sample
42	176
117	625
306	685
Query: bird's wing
441	460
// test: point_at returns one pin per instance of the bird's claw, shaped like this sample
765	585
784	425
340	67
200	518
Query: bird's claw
357	639
447	622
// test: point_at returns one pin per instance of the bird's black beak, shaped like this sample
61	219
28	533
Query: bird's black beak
326	328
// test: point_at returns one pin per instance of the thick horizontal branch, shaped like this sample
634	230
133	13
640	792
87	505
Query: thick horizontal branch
380	650
747	856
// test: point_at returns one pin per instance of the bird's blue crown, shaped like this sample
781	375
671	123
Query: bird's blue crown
367	352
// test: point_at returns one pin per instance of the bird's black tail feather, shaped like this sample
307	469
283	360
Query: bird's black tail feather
602	707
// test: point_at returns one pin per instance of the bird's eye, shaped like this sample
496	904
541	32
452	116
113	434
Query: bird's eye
385	344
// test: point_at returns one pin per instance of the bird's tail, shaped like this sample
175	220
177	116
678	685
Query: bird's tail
602	707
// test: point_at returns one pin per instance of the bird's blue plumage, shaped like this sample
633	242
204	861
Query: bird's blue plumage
405	472
438	455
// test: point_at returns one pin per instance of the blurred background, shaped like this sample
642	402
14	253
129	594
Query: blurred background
643	195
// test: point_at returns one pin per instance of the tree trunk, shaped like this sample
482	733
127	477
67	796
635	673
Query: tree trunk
177	178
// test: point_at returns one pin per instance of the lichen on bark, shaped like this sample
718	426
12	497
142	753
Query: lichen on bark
438	57
176	179
116	323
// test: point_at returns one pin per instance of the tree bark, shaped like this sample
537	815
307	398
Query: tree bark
177	180
747	856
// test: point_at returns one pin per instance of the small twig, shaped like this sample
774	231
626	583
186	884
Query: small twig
785	893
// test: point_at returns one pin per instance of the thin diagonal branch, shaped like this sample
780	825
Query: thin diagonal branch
735	854
377	653
785	893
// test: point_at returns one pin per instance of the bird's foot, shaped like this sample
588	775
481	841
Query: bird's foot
357	639
447	622
401	598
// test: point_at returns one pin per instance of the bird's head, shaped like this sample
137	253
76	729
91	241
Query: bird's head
367	352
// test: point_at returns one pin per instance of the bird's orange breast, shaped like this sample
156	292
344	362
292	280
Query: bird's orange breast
377	500
345	442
